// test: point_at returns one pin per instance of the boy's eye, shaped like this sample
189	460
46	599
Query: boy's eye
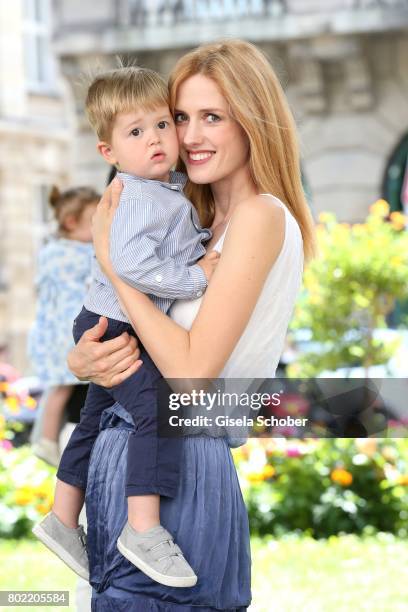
162	124
135	132
180	117
212	118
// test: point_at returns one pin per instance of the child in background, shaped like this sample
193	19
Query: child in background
64	271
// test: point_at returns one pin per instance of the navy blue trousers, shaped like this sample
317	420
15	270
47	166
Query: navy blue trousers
153	462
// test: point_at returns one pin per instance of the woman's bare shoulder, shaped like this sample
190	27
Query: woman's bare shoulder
259	216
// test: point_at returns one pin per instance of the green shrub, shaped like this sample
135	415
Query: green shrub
350	289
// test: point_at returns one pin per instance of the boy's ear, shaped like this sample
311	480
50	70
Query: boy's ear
107	152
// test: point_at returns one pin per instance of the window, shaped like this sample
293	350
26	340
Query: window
39	62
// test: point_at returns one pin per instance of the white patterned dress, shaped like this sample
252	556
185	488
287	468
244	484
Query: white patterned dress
64	274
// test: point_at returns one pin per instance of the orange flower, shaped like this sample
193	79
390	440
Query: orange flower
368	446
44	508
398	220
341	477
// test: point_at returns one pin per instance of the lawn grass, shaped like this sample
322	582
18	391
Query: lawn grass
28	565
288	575
341	574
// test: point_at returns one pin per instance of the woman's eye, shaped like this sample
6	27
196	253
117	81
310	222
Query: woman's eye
212	118
162	125
180	117
135	132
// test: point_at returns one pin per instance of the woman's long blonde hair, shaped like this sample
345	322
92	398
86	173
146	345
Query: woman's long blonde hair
257	102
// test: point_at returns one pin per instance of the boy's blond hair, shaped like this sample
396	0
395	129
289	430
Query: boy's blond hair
121	91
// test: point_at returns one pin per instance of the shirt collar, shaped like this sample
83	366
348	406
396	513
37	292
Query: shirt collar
177	180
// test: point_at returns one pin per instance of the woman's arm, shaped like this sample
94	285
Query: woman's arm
253	243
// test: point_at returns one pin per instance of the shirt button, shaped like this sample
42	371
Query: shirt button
159	278
199	293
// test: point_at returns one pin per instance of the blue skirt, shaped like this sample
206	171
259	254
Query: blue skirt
207	518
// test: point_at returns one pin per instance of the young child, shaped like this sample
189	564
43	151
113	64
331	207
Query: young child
156	240
64	274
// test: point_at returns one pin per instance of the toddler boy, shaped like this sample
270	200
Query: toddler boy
155	243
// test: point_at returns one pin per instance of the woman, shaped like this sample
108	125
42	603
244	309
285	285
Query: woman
238	143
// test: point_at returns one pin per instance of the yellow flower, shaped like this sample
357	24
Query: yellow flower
397	260
30	403
24	496
403	480
255	476
380	208
359	229
325	217
268	471
389	453
3	387
44	490
341	477
12	404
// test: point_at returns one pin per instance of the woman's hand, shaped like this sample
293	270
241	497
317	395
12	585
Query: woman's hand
101	224
105	363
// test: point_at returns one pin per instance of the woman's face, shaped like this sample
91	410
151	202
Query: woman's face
213	145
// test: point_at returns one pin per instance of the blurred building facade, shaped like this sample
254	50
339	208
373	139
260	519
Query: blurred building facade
36	132
343	64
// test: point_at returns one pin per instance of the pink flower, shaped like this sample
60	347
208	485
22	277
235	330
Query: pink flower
293	452
6	444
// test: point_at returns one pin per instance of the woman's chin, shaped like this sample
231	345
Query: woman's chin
200	175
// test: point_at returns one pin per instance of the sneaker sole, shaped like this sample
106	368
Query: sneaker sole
58	550
172	581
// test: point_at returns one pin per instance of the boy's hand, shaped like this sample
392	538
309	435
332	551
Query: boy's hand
208	263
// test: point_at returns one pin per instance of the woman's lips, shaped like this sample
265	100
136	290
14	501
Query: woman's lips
197	158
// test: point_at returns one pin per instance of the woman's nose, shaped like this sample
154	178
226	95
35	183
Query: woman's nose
192	134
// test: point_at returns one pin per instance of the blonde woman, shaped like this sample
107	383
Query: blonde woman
239	149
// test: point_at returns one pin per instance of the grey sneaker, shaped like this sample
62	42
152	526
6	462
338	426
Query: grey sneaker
67	543
155	553
48	451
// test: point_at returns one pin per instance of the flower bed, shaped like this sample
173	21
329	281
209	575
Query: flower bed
325	487
26	491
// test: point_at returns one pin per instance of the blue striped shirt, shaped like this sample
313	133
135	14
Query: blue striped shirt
155	241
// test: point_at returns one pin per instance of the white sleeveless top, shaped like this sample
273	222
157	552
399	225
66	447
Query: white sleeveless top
259	349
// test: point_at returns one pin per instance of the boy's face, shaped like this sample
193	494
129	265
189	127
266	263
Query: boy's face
143	143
